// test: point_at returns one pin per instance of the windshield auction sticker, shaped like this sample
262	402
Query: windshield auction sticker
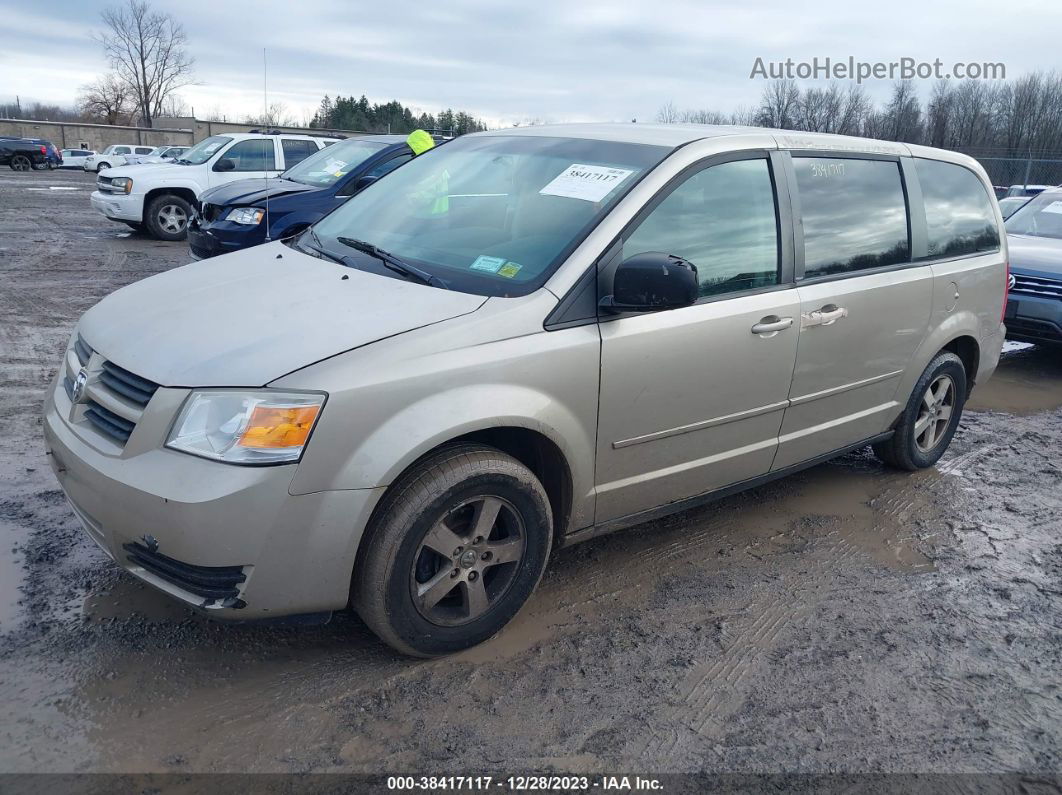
589	183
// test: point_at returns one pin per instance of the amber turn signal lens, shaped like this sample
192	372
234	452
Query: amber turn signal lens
279	427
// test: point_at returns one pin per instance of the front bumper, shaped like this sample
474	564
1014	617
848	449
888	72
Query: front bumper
119	206
1034	319
211	239
295	553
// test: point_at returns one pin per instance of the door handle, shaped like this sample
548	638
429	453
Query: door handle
826	316
771	325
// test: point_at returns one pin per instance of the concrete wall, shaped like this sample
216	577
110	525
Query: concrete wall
184	131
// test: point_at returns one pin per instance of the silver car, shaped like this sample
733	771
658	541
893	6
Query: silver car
521	340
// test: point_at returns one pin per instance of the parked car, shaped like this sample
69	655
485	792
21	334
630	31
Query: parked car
233	216
160	198
25	154
160	154
1011	204
1034	238
1026	190
114	155
523	340
74	158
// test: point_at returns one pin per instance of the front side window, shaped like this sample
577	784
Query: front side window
1041	217
204	150
723	220
959	214
254	154
121	150
488	214
854	213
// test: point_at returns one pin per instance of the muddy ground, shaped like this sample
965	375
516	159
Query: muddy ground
850	618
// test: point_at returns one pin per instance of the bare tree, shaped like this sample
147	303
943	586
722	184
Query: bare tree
276	115
668	113
779	105
147	50
106	98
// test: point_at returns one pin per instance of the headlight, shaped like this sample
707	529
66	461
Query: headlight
122	183
262	427
246	215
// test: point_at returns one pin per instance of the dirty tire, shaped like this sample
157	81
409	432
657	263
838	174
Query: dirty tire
441	492
166	217
910	448
102	166
21	163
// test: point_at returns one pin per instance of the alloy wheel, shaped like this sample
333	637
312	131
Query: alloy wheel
934	413
172	218
21	163
467	560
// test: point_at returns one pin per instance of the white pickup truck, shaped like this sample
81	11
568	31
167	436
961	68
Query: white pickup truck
160	198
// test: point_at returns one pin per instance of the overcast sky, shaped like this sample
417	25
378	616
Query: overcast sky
550	60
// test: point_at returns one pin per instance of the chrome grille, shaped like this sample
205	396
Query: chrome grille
114	398
108	423
1036	286
132	387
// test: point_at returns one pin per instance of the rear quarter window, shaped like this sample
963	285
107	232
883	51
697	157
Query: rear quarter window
959	214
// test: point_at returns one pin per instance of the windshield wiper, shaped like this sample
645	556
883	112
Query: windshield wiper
394	263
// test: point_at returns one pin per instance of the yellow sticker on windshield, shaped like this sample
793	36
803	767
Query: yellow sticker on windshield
509	270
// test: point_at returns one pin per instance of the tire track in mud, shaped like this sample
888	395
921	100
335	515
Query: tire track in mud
716	689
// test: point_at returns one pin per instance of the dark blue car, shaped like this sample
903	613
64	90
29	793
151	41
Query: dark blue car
233	216
1034	241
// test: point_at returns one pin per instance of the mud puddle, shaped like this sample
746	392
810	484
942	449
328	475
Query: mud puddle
1028	380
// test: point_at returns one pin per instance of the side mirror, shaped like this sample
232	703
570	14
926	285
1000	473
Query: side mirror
225	164
363	182
652	281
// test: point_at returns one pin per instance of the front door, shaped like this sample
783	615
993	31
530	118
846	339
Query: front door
251	157
692	399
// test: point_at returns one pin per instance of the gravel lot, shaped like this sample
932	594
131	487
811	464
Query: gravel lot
849	618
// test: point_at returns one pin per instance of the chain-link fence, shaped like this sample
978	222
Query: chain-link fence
1039	169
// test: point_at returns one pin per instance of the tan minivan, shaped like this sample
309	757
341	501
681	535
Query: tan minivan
523	339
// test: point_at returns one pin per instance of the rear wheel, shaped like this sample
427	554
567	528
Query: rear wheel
454	552
933	412
21	163
102	166
167	217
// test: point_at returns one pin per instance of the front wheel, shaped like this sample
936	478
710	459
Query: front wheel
932	414
455	550
166	217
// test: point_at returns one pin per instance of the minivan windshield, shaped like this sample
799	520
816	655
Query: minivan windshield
334	162
1041	217
204	150
491	215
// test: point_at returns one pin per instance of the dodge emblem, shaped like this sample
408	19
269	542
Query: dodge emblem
78	391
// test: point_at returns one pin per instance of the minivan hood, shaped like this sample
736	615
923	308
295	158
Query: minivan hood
246	192
1031	253
247	318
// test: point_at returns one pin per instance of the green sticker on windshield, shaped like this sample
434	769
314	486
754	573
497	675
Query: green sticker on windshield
488	264
509	270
